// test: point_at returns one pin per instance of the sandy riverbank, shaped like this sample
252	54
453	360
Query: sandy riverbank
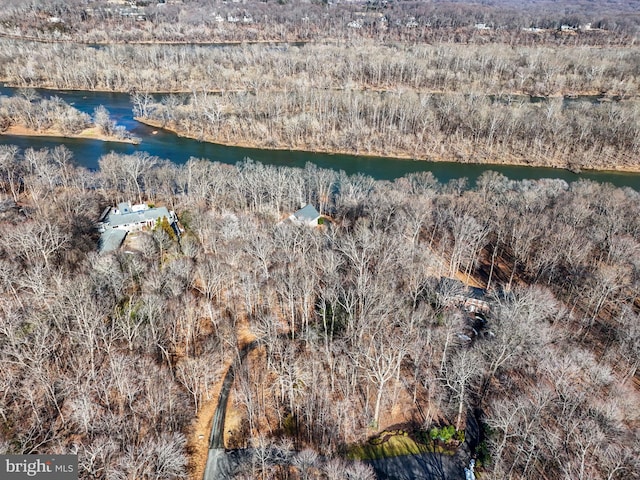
90	133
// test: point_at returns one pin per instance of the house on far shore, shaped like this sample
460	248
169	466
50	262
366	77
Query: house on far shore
116	222
307	215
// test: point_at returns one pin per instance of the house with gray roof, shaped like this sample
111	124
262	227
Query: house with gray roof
117	222
307	215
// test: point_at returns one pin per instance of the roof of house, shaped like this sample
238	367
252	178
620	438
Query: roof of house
118	219
306	214
111	239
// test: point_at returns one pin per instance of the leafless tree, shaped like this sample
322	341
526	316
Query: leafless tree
102	120
459	375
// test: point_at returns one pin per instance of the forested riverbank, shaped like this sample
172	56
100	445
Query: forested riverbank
457	128
27	114
364	334
162	143
393	100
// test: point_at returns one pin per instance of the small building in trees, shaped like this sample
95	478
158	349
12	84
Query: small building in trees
307	215
457	294
116	222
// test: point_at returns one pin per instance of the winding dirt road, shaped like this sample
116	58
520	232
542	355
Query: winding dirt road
218	465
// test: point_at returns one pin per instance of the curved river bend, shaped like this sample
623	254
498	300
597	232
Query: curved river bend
177	149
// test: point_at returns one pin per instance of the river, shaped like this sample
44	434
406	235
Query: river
177	149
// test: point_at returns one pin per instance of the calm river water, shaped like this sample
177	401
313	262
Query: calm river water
169	146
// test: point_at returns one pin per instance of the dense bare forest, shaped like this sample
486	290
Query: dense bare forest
499	322
365	65
113	356
454	127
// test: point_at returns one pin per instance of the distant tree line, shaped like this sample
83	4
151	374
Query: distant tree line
297	20
111	356
442	67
